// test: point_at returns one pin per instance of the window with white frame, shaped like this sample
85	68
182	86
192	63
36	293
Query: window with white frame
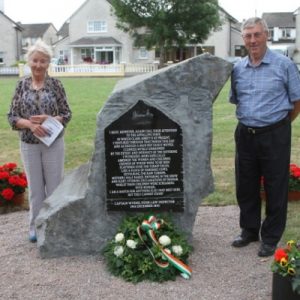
63	56
286	32
143	53
271	34
87	54
96	26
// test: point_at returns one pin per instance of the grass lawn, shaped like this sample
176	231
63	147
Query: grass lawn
86	97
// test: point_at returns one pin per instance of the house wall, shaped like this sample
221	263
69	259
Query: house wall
97	10
50	36
278	34
10	43
225	39
296	56
62	45
219	39
101	10
236	42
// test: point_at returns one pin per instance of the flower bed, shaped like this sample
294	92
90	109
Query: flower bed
294	180
294	184
12	182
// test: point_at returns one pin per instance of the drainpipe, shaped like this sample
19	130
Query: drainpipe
229	47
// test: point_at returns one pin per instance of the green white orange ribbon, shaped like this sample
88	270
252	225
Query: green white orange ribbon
149	226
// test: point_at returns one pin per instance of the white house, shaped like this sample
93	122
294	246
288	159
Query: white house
91	35
32	32
10	40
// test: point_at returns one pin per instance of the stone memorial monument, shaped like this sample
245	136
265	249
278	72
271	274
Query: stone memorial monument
152	154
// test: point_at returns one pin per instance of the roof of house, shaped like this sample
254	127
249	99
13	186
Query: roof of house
281	19
35	30
78	9
234	20
64	30
88	41
17	25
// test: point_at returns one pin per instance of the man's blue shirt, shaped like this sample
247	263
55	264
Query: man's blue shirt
264	94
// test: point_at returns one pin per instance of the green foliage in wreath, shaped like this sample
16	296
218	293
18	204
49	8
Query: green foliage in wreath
128	256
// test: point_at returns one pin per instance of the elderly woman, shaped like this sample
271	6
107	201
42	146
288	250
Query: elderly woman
36	98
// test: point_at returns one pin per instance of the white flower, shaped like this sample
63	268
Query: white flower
177	250
119	237
164	240
118	251
131	244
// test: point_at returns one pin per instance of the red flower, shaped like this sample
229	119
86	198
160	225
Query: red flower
296	173
10	166
7	194
12	181
22	182
4	175
279	254
22	175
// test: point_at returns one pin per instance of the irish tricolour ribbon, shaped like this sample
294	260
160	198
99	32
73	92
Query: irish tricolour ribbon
149	227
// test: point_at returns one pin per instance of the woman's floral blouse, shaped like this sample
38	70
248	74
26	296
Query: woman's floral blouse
50	100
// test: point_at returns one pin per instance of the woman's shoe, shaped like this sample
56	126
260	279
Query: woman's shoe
32	238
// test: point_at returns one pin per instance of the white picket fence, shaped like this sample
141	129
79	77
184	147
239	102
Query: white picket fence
91	69
85	70
9	71
140	68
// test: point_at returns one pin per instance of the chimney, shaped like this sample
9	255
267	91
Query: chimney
2	5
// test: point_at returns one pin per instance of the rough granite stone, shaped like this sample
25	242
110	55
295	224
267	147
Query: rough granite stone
74	220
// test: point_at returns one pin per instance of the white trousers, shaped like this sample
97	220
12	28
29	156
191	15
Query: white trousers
44	168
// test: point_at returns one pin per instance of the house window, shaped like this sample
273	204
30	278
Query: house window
96	26
271	34
87	54
143	53
286	33
63	56
33	41
208	49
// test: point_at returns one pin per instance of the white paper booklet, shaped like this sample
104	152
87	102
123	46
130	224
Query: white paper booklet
54	128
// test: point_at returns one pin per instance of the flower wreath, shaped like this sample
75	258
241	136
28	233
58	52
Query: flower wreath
148	249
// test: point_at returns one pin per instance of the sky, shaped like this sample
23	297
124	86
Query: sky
244	9
58	11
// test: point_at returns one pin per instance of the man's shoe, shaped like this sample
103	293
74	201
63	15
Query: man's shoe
242	241
266	250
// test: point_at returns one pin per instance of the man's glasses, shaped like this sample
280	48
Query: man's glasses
256	35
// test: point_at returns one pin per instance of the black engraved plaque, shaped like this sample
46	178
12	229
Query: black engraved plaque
143	157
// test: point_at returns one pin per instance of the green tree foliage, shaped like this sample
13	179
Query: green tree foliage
165	23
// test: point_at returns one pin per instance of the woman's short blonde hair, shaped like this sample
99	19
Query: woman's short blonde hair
39	46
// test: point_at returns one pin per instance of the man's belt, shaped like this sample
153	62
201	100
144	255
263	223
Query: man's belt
259	130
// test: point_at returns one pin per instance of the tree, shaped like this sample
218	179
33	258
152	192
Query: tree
165	23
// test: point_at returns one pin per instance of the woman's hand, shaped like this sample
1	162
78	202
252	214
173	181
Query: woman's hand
38	130
36	125
38	119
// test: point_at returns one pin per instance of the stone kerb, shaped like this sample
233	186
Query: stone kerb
75	220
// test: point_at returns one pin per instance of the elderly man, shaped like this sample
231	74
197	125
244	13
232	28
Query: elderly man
265	87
